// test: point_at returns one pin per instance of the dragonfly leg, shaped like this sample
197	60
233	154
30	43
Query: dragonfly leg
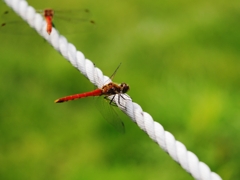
111	101
119	101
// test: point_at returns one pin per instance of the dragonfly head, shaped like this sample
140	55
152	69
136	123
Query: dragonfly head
48	12
124	87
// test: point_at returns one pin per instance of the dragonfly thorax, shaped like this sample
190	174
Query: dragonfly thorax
112	89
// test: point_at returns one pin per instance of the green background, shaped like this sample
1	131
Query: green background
182	62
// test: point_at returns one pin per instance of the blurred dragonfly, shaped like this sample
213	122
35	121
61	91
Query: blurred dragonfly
109	91
68	21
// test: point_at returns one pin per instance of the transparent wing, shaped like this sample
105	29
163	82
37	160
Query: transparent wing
73	21
114	73
73	15
12	24
108	112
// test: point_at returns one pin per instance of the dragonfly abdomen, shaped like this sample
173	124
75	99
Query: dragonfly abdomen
49	24
97	92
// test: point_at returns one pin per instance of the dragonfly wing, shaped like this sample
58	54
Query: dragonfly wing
108	112
73	21
73	14
12	24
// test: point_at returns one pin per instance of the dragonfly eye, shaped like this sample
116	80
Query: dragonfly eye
123	84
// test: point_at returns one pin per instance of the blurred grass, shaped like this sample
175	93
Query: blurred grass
182	62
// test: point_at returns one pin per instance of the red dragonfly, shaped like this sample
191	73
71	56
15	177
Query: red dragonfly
110	89
69	16
48	15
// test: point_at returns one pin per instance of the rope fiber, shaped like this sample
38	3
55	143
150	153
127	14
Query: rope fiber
188	160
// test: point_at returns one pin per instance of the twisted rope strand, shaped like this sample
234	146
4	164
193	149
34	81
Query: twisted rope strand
164	139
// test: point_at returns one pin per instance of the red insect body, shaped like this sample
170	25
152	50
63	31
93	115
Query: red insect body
49	24
96	92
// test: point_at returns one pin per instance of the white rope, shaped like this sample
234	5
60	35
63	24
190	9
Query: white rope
164	139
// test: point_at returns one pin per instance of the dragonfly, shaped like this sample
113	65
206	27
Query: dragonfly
48	15
62	17
109	90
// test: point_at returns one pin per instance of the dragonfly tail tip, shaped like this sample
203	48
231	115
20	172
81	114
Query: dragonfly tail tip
57	101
